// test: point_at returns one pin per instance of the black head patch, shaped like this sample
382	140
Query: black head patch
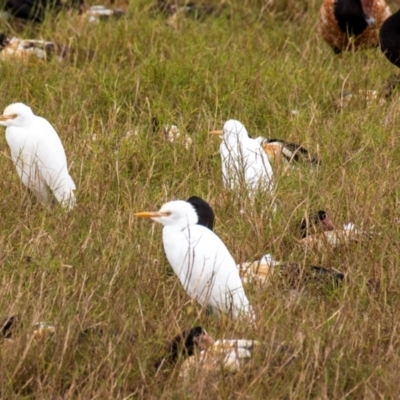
350	16
312	221
204	212
183	344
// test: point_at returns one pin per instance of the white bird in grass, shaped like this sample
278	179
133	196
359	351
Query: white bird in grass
243	160
201	260
38	155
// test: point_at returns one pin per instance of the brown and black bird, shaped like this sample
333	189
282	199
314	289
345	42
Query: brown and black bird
318	231
262	270
13	48
352	24
277	149
201	354
292	275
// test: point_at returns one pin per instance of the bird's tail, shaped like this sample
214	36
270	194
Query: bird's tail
64	194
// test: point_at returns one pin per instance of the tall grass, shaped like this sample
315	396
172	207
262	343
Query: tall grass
99	266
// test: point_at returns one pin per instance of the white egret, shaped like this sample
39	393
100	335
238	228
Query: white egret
243	160
38	155
201	260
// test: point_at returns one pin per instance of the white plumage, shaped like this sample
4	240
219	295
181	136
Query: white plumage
201	260
243	160
38	155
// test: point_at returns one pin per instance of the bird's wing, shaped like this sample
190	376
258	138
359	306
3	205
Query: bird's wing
335	238
258	167
256	271
213	276
52	162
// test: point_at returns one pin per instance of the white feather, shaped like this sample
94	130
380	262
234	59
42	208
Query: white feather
38	155
202	262
244	160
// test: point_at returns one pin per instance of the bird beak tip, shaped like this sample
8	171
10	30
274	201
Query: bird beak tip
7	117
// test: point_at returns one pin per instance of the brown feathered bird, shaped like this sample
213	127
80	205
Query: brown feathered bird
28	49
348	24
292	274
201	354
319	232
280	149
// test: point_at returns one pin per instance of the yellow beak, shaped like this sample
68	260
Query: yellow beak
7	117
152	214
219	133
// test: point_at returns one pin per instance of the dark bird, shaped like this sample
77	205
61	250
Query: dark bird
35	10
9	325
183	345
389	37
345	24
314	222
204	212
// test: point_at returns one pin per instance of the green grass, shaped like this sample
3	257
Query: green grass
99	265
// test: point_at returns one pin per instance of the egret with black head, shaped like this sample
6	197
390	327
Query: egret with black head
201	260
204	212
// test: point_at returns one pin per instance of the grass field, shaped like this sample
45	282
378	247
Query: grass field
100	266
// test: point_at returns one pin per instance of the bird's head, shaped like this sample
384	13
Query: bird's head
233	131
177	213
16	114
204	212
313	220
185	344
4	40
9	325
